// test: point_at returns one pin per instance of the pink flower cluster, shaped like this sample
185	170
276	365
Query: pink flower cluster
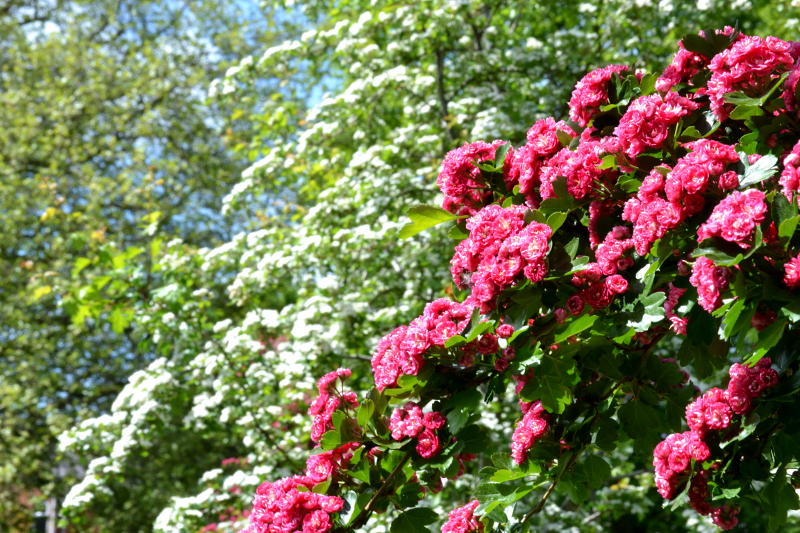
647	121
749	383
542	143
288	506
597	291
579	167
749	66
713	411
790	175
400	352
322	466
329	401
499	248
409	422
591	92
463	519
686	64
709	280
735	217
792	272
529	429
677	323
460	180
668	196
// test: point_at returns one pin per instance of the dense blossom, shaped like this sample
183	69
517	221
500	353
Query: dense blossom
748	66
529	429
591	92
322	466
748	383
542	144
463	519
792	272
713	411
329	401
687	64
499	248
400	352
790	175
460	180
647	121
709	280
579	167
279	507
672	458
735	217
409	422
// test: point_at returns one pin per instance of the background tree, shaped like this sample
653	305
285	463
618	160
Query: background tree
106	132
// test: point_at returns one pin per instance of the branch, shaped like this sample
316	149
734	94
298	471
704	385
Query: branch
362	519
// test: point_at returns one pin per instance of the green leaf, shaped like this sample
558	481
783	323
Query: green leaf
641	422
478	329
331	439
80	264
424	217
778	498
457	233
653	311
608	161
365	412
119	320
500	155
414	521
744	111
767	338
787	228
740	99
763	169
455	340
691	133
575	326
563	137
41	292
648	84
502	476
596	471
731	317
555	220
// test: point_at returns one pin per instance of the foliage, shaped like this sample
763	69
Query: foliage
242	329
108	148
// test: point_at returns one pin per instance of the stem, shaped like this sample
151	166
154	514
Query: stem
539	506
362	519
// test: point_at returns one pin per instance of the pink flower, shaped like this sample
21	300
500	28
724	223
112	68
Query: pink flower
591	92
735	217
709	280
749	66
529	429
280	506
328	401
460	180
647	120
428	444
790	175
499	250
463	519
792	272
406	421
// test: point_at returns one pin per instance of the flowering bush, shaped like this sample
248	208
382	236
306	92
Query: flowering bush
610	268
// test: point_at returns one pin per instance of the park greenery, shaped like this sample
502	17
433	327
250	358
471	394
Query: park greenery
266	265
